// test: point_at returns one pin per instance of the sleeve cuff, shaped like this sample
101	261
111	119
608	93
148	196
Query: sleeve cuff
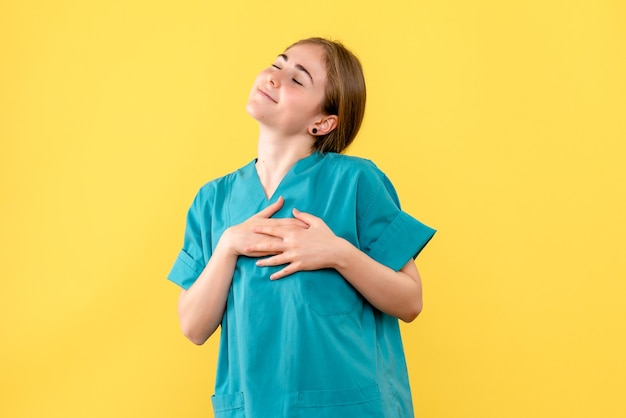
185	270
403	239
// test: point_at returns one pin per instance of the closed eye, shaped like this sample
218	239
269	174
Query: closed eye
293	79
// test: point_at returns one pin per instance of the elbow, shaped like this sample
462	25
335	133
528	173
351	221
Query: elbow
193	334
197	340
194	337
412	313
194	328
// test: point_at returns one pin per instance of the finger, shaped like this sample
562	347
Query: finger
269	230
271	209
280	232
256	254
307	218
274	260
273	247
281	222
282	273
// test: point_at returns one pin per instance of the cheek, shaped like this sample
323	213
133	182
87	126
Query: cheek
260	78
257	82
314	103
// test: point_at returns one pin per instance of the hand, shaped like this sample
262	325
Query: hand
243	239
310	248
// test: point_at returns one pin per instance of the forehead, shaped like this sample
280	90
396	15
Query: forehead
310	56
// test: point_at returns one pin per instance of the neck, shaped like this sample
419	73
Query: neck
276	156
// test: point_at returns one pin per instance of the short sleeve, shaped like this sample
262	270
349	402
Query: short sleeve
194	255
386	233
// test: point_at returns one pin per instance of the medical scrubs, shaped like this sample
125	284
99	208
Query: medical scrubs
308	345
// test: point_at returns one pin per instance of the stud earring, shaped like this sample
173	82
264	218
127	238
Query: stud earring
314	130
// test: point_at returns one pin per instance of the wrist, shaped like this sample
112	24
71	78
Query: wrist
341	254
226	243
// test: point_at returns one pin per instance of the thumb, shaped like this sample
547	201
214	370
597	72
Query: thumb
305	217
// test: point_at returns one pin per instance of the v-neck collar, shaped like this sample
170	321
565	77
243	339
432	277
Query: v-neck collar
299	167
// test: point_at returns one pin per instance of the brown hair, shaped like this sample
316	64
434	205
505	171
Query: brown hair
344	96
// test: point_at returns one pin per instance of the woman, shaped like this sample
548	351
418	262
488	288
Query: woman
303	256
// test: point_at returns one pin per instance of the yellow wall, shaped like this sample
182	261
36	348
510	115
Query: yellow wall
501	124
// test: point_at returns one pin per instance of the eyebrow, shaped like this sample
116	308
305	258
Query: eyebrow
298	67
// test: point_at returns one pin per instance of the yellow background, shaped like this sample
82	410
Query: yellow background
502	124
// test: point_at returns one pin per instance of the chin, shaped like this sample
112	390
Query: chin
250	109
253	111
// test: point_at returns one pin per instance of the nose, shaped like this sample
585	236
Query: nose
273	79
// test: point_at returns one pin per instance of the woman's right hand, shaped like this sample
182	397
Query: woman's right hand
239	239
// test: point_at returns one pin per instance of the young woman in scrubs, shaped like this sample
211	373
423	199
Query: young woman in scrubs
303	256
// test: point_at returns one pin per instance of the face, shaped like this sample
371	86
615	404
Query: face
287	95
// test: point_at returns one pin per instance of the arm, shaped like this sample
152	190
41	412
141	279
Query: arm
397	293
201	307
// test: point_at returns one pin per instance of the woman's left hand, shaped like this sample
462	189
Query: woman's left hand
397	293
300	249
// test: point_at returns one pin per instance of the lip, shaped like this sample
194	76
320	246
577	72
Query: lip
266	95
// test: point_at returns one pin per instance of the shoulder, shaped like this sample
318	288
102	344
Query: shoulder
369	182
356	166
217	187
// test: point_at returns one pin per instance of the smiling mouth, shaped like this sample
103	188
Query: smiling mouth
266	95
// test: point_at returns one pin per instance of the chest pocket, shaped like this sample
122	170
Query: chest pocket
328	294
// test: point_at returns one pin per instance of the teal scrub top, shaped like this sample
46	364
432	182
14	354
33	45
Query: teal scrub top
308	345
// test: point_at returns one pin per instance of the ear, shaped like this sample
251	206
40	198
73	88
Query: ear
325	125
